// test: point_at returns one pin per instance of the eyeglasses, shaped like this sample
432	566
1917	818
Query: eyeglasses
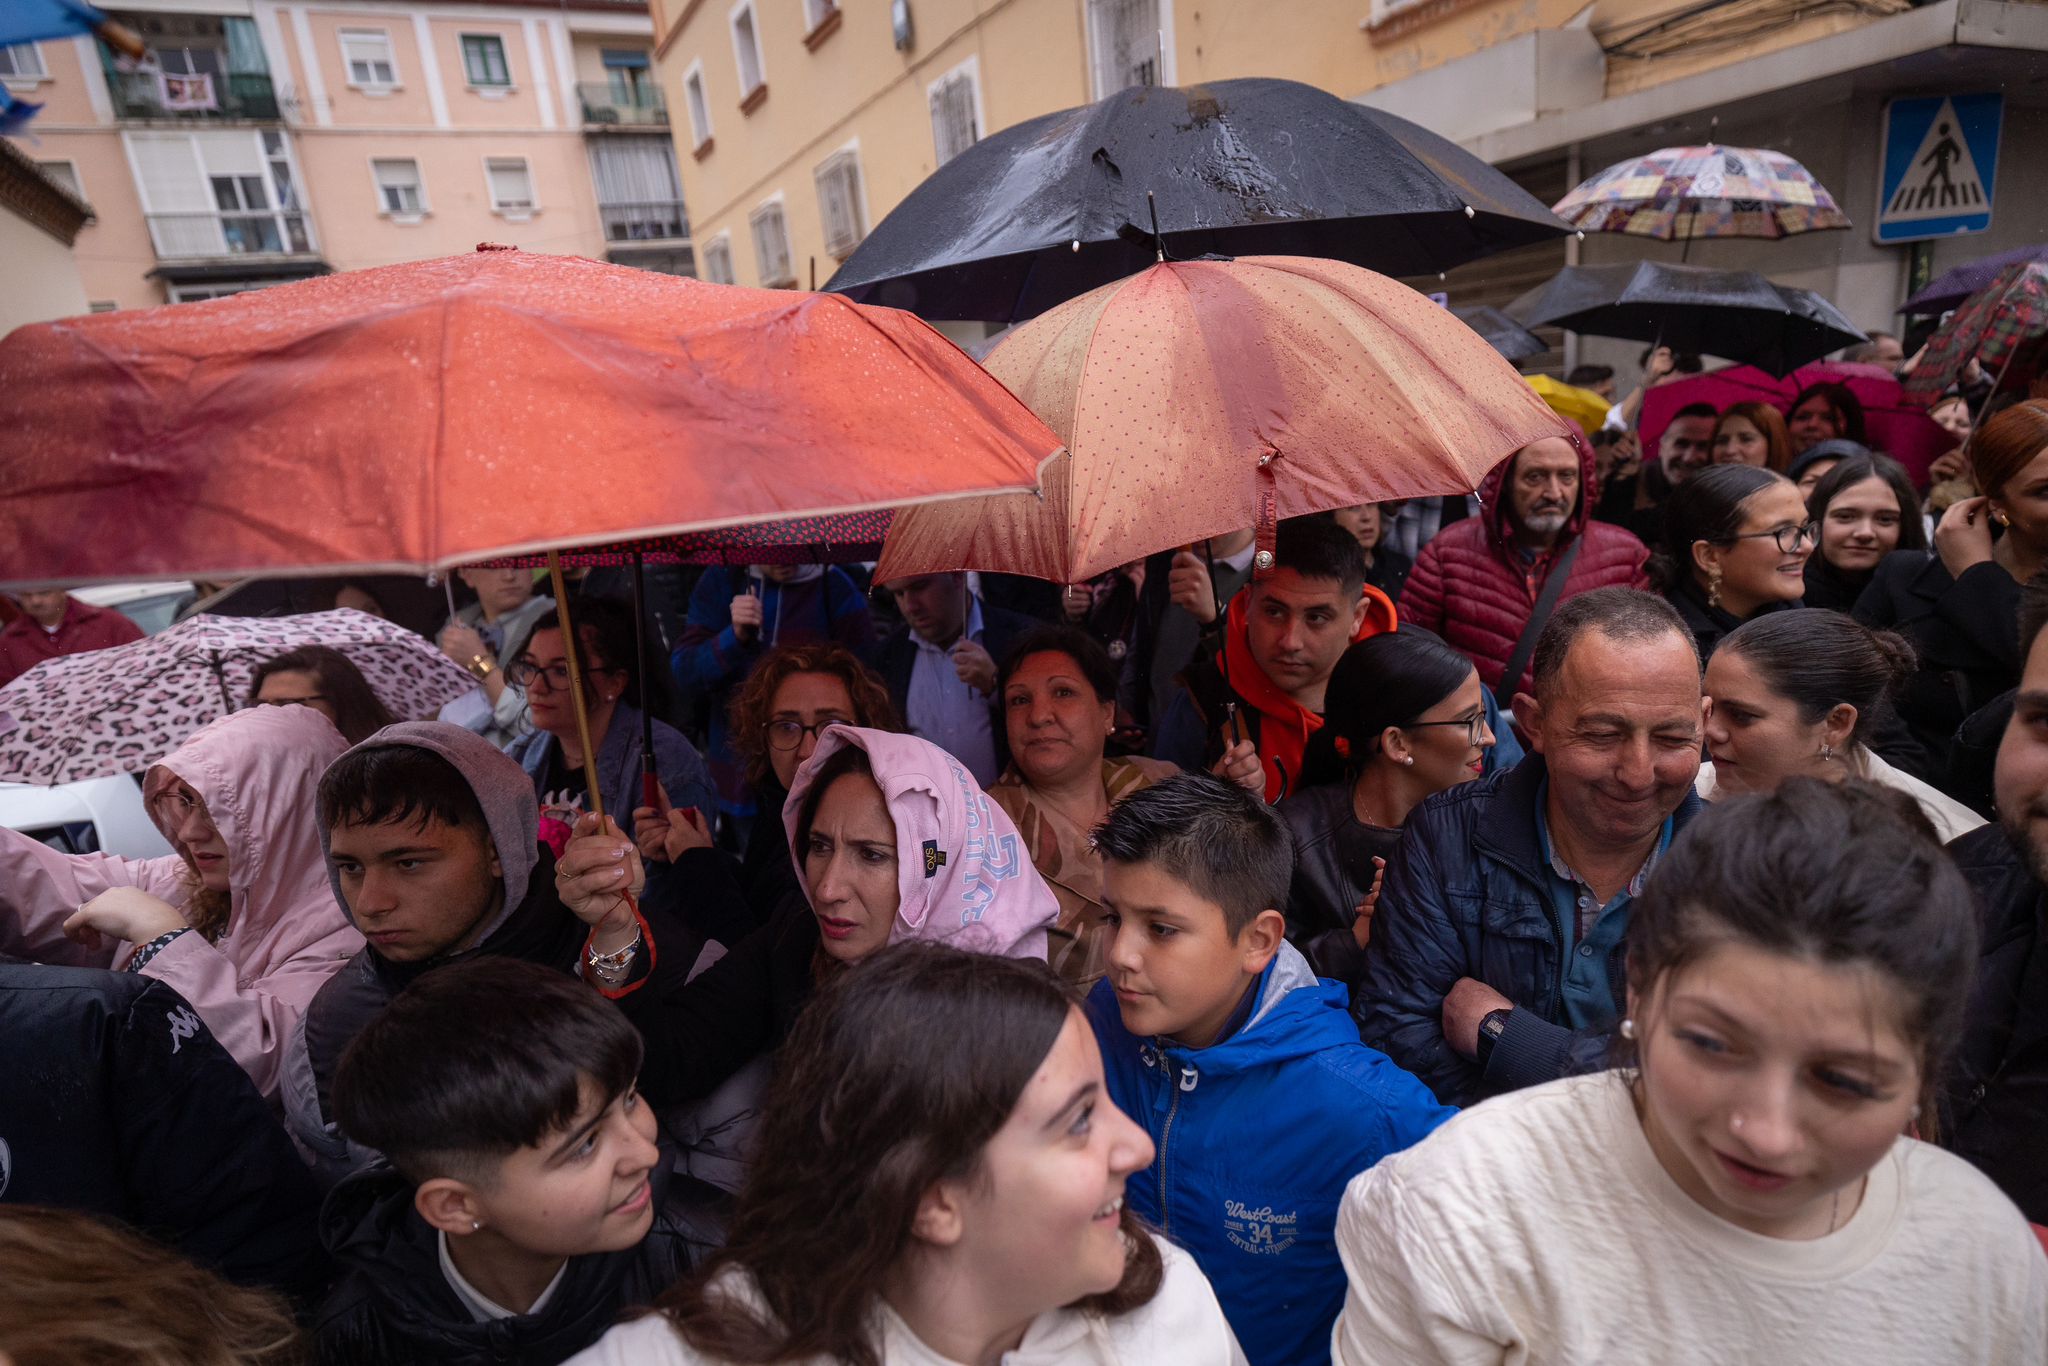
1788	538
290	701
524	672
788	735
1475	726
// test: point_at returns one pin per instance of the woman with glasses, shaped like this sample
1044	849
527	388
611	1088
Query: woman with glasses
1058	691
553	754
1737	540
324	679
1405	718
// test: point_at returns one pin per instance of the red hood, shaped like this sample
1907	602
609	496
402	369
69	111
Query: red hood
1494	509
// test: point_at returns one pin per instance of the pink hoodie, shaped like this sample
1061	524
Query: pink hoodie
259	773
962	871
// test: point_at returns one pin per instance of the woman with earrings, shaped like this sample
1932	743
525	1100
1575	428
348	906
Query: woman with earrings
1405	718
1796	695
1736	541
1959	605
1798	969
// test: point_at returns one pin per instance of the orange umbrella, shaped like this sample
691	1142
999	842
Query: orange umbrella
1202	397
420	416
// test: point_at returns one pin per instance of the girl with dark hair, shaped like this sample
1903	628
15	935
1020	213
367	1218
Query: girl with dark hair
1405	717
1865	508
1058	692
1736	543
552	753
940	1179
1798	695
1822	412
324	679
1798	969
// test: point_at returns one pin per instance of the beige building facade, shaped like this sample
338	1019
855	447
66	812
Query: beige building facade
258	142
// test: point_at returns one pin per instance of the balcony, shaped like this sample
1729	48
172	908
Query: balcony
654	220
609	106
254	232
228	96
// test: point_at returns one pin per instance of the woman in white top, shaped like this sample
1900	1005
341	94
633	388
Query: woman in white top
1798	966
1796	694
939	1181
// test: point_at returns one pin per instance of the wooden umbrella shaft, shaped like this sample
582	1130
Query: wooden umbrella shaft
571	650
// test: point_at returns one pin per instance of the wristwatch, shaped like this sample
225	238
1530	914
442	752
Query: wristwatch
1490	1029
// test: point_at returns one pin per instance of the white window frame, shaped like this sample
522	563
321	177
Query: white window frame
720	246
489	90
817	12
754	218
849	155
1167	73
697	100
77	182
969	71
739	61
401	216
20	79
511	211
1383	10
390	60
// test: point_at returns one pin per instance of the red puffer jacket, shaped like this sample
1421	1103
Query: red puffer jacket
1471	587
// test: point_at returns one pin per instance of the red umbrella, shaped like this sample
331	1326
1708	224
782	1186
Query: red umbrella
1894	422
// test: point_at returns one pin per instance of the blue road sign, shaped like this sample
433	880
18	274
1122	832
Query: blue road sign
1939	167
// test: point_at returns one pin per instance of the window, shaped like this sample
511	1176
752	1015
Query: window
23	61
718	260
511	185
103	306
746	49
483	60
65	173
1127	46
956	110
398	187
771	244
367	53
627	77
838	179
700	108
817	12
219	193
1383	10
638	194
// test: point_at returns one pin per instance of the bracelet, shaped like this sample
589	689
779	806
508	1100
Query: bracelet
612	968
481	666
153	948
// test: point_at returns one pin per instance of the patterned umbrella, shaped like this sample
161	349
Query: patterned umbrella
1682	193
2006	317
800	540
119	710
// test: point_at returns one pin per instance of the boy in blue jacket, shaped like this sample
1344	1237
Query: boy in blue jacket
1240	1062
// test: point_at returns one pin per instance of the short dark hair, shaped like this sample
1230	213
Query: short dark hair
1586	376
1076	644
1841	873
1620	614
477	1060
1317	548
358	712
1819	660
1855	469
1222	841
1705	410
376	784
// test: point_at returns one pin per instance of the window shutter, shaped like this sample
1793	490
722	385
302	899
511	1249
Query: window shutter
839	203
953	125
718	262
1126	38
511	183
771	245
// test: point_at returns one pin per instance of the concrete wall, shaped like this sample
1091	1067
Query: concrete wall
42	278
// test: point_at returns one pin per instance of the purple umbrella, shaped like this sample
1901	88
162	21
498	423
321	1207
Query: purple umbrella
1950	288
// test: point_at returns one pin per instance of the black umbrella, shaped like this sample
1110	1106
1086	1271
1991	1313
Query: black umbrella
1501	332
1046	210
1733	313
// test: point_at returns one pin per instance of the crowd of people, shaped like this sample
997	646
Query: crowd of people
1346	959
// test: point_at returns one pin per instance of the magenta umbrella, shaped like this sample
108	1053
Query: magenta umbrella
1894	422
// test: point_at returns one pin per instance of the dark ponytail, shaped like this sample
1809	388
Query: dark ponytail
1819	660
1706	507
1383	680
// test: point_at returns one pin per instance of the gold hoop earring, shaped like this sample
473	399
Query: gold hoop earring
2000	518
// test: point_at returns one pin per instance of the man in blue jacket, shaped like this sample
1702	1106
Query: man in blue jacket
1240	1063
1497	956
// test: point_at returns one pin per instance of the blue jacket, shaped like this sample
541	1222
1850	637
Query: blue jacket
1467	894
1256	1138
676	763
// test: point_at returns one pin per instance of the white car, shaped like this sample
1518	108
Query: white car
99	814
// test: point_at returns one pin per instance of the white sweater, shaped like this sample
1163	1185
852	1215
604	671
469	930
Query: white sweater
1182	1326
1539	1227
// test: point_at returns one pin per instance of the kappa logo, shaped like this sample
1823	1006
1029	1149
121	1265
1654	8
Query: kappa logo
1263	1231
184	1024
934	858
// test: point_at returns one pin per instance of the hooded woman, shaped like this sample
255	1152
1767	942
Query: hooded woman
892	840
240	920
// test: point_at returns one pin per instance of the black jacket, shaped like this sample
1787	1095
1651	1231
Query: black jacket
1708	624
1995	1101
896	657
1966	632
115	1099
1829	587
1333	854
393	1307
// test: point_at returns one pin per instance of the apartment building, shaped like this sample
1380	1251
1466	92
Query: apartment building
257	142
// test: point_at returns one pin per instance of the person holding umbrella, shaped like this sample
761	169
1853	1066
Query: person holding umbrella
482	638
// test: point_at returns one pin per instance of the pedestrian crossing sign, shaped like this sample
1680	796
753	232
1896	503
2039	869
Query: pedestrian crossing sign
1940	166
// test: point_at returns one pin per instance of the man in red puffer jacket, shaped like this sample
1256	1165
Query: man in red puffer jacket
1476	584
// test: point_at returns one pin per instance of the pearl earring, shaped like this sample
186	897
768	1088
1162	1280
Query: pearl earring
475	1225
1628	1029
1408	759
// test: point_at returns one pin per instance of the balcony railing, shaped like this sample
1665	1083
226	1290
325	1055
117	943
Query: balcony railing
608	107
230	95
657	220
256	232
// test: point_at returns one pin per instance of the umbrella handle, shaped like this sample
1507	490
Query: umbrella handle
571	650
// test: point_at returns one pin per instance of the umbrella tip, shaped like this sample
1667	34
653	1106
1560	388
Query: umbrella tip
1077	244
1580	234
1469	213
